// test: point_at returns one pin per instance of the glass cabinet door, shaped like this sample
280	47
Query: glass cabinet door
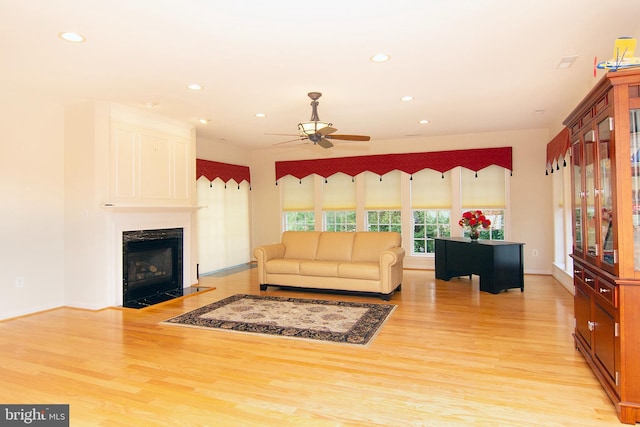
590	190
578	193
634	124
604	193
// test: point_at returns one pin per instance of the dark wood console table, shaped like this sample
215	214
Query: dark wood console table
499	264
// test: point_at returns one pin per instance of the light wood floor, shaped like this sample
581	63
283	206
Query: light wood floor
448	356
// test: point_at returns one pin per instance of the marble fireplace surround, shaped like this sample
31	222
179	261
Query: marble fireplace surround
123	219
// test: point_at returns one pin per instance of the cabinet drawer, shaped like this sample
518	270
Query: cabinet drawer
589	278
607	290
578	271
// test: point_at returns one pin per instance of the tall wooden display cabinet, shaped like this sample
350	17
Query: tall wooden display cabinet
605	161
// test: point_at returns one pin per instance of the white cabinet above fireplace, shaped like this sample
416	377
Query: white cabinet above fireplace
151	160
149	168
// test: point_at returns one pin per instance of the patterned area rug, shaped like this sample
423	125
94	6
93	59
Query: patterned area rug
334	321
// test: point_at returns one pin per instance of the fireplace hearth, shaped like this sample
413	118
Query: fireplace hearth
152	266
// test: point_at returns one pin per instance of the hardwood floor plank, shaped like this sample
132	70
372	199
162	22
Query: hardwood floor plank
448	356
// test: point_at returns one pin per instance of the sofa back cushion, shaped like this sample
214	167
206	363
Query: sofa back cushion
335	246
368	245
300	244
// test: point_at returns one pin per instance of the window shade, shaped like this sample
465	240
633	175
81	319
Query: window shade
383	194
430	189
339	193
297	195
485	191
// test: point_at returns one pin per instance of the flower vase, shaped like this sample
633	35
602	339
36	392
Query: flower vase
474	234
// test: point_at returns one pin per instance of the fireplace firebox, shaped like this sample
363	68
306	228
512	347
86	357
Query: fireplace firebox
152	266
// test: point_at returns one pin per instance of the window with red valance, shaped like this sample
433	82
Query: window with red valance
556	149
441	161
225	171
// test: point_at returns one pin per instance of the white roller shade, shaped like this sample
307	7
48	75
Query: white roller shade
430	190
297	195
485	191
383	194
339	193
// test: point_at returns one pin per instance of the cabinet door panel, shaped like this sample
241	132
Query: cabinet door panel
590	192
182	172
123	167
605	194
578	194
583	313
155	167
604	339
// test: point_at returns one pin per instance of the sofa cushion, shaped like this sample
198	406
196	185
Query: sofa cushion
319	268
283	266
368	245
335	246
300	244
359	270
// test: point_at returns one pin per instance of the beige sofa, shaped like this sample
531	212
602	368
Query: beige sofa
344	261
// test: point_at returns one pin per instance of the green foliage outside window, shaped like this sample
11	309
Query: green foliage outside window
429	224
384	221
299	221
340	221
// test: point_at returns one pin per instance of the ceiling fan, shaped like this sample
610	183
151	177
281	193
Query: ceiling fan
320	132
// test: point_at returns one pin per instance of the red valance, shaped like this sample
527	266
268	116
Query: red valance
225	171
557	148
441	161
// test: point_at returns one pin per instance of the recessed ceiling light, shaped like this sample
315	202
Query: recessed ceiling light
261	115
204	121
150	104
423	121
72	37
195	86
380	57
567	62
407	98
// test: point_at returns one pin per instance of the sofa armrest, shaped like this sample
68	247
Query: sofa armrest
264	254
391	257
391	269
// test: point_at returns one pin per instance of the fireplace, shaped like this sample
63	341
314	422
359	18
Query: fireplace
152	266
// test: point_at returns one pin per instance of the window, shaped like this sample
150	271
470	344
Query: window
496	231
299	221
384	220
339	220
383	202
427	225
223	226
431	209
297	203
485	192
339	203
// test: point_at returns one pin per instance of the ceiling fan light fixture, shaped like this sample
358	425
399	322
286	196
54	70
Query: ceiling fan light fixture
312	127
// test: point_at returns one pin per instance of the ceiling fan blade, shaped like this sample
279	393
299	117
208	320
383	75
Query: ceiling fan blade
291	140
325	143
327	130
350	137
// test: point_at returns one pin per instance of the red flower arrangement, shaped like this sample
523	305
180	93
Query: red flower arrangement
473	220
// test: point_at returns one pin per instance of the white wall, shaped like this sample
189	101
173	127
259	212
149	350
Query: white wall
32	214
531	212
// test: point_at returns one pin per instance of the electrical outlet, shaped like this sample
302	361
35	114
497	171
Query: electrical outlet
534	252
19	282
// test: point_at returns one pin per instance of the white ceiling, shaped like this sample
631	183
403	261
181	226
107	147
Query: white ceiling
471	65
